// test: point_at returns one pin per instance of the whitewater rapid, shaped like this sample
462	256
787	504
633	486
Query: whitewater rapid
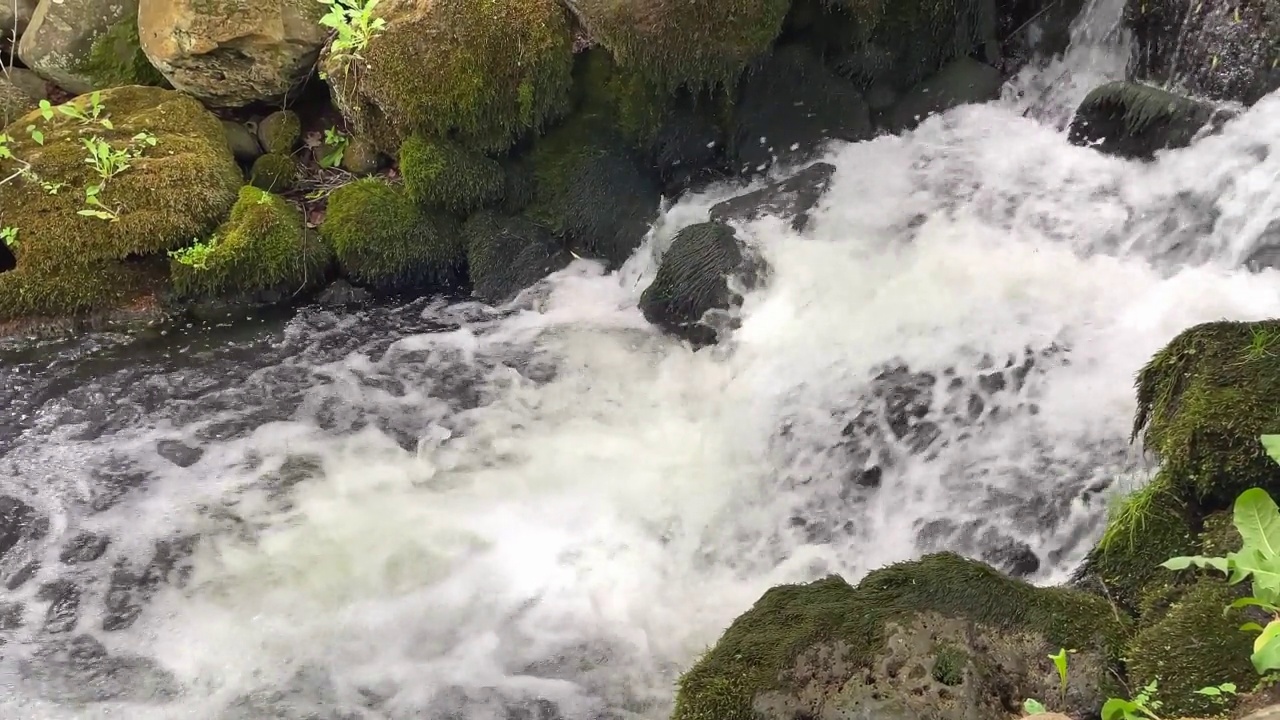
454	511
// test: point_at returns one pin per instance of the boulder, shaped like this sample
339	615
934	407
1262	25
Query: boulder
274	172
1135	121
508	254
243	142
18	521
693	280
14	101
15	16
172	191
961	81
361	157
229	53
1219	51
768	127
790	199
482	74
81	45
446	176
280	131
942	637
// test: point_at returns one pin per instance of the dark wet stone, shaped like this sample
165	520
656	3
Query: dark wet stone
1135	121
113	482
973	539
178	453
84	547
18	521
793	198
24	573
341	293
64	607
130	590
11	615
80	670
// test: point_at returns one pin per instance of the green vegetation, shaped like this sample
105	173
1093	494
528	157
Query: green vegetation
279	132
274	172
444	175
263	246
116	59
335	145
353	24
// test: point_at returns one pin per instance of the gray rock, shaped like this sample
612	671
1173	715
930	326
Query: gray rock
244	143
63	597
960	82
59	41
18	521
80	670
341	293
179	453
792	198
15	16
84	547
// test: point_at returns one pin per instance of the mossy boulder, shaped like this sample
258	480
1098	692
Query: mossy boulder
942	637
280	131
83	45
684	42
507	254
591	190
171	192
693	280
385	240
263	251
1135	121
444	175
1203	400
482	72
274	172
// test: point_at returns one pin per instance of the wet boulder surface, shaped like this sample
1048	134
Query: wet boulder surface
1135	121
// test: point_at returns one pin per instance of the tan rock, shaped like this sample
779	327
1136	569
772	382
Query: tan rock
82	45
229	53
15	15
1266	713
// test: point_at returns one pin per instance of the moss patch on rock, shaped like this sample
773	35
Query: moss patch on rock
508	254
171	192
116	58
824	643
1203	400
280	131
447	176
274	172
482	72
264	246
385	240
685	42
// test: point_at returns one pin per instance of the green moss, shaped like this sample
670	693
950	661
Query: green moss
634	105
274	172
280	131
756	652
172	192
116	59
685	42
444	175
1194	644
1203	400
1220	536
71	288
264	246
483	72
1145	528
384	239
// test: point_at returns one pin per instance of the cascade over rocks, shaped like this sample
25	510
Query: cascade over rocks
790	199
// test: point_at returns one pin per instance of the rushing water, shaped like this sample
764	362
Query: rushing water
548	510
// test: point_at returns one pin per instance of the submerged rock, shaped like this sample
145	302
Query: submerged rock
18	521
790	199
693	280
1135	121
130	589
80	670
84	547
508	254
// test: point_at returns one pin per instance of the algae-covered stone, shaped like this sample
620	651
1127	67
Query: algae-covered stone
483	72
444	175
361	157
693	279
233	52
172	191
694	42
280	131
275	172
264	247
829	650
385	240
1132	120
81	45
1203	400
590	189
508	254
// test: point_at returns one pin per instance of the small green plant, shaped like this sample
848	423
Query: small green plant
105	160
1142	706
336	141
9	236
1060	662
35	134
353	24
198	253
1033	707
1260	342
5	152
95	114
95	208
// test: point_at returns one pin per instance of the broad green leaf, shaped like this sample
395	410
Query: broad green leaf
1253	602
1266	649
1271	443
1258	520
1184	562
1033	707
1118	709
1264	570
1210	691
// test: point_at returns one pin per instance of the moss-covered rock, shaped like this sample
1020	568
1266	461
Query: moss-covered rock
827	649
591	190
171	192
116	58
264	248
1132	120
274	172
361	157
693	279
684	42
1194	644
385	240
482	72
508	254
447	176
1203	400
83	45
280	131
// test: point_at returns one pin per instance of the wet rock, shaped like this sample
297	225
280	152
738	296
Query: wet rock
18	521
130	590
113	481
768	127
80	670
508	254
960	82
973	539
1034	28
179	453
11	615
341	293
24	573
693	280
793	198
1135	121
1267	253
84	547
63	597
688	148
